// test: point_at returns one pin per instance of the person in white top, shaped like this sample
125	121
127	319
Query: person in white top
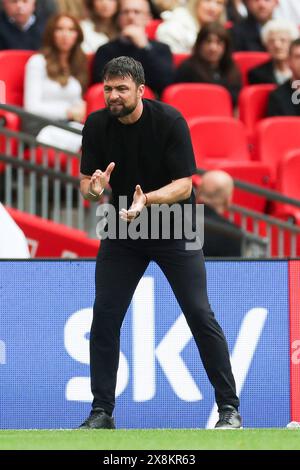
13	243
55	81
181	26
101	26
289	10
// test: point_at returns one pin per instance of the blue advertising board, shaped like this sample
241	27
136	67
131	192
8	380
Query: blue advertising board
45	316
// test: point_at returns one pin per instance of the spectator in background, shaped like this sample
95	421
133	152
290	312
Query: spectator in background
20	28
13	243
43	8
55	81
277	36
246	34
285	100
101	26
236	11
211	61
155	57
180	27
221	237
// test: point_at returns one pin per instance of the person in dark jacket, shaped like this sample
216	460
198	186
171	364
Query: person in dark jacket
246	34
285	100
211	61
221	237
155	57
20	28
277	36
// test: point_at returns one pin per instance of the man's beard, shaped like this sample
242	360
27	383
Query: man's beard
119	111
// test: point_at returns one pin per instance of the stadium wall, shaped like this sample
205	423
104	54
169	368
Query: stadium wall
45	316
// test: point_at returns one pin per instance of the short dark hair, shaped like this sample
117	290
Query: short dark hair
125	67
295	43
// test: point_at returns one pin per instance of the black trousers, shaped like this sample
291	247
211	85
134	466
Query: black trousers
120	266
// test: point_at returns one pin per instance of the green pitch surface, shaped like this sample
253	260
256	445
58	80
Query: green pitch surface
152	439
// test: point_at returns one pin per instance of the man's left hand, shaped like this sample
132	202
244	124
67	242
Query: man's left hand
138	204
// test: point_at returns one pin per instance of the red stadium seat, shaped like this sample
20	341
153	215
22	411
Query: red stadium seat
50	239
198	99
12	70
218	138
246	60
12	66
95	99
288	184
151	28
221	143
274	137
253	102
178	58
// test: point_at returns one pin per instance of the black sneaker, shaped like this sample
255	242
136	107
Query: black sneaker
98	419
229	418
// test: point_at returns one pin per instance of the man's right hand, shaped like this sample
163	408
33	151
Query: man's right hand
136	34
100	179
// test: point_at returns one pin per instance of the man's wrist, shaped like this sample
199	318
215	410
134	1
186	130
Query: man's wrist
94	196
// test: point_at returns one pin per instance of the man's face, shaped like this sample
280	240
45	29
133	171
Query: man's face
294	62
134	12
19	10
262	10
122	95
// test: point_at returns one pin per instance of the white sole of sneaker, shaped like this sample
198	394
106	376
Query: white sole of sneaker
226	429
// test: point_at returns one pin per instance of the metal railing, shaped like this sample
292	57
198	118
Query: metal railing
41	179
278	235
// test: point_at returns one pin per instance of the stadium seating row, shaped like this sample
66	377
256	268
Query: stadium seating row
49	239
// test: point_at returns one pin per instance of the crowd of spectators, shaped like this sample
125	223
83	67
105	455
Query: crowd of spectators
207	31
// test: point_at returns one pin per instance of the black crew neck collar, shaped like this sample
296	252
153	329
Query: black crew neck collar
137	122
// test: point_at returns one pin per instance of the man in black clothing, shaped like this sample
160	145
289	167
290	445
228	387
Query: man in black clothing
155	56
221	237
143	149
284	101
246	34
20	28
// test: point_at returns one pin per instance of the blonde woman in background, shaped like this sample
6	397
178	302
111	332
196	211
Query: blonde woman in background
101	25
181	26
